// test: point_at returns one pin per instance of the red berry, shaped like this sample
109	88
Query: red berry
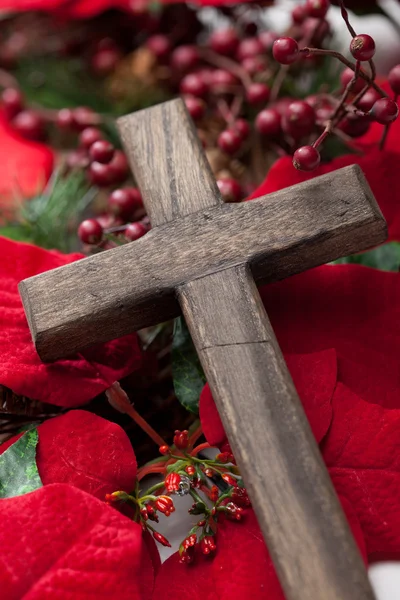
362	47
12	102
84	117
229	141
90	231
122	203
249	47
164	450
230	189
196	107
317	8
102	151
229	479
285	50
257	93
299	13
224	41
185	58
105	60
159	45
268	122
221	81
193	85
100	174
385	111
89	136
240	497
394	79
306	158
65	119
368	100
347	76
134	231
29	125
119	167
299	119
242	127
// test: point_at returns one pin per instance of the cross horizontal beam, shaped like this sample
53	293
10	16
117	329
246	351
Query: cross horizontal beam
281	234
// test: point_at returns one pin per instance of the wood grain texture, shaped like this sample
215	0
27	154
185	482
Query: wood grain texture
296	506
168	162
133	286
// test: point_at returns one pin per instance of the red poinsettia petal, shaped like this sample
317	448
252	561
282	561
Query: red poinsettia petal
314	376
25	167
362	454
241	568
59	542
86	451
380	169
66	382
351	308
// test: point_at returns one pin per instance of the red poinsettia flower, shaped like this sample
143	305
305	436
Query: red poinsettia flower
25	167
60	542
65	382
68	451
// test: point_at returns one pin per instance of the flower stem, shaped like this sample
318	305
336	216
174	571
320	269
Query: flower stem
119	400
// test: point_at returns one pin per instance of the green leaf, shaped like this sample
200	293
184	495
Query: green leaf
18	470
385	258
187	374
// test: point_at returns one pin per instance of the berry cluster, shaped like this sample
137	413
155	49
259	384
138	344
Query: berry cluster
185	473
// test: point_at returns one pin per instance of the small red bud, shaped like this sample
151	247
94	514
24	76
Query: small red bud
229	479
207	545
161	539
144	513
190	470
165	505
233	512
181	439
208	472
214	493
164	450
240	497
191	540
223	457
187	555
172	482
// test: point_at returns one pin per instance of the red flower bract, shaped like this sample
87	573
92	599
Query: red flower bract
69	452
24	167
65	382
59	542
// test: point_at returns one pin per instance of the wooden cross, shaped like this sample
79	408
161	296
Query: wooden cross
204	258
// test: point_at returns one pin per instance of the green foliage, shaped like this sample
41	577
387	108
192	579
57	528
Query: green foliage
53	82
18	470
385	258
50	219
187	373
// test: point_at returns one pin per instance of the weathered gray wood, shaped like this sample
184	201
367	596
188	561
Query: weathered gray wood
296	505
184	182
279	235
199	255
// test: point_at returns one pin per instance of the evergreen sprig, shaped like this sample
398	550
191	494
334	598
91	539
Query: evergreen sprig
50	219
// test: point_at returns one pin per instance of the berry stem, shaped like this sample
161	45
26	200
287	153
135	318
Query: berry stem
345	17
150	470
119	400
345	61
